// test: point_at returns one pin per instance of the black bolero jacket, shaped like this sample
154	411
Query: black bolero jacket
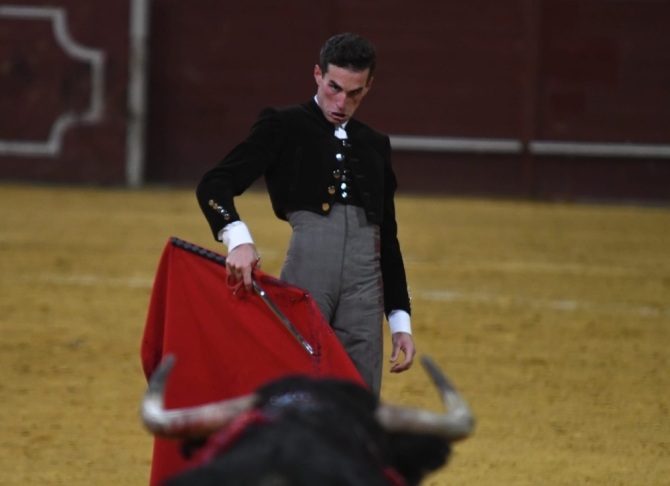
297	151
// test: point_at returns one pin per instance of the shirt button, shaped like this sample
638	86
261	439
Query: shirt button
331	190
344	195
325	206
339	157
343	186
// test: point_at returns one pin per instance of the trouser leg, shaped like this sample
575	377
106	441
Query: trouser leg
359	329
336	259
358	319
314	258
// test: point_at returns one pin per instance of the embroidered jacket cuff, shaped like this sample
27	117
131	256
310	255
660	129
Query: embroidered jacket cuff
399	322
235	234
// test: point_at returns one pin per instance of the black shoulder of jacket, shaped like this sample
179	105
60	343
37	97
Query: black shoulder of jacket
309	112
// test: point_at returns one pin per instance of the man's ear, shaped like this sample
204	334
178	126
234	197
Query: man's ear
317	73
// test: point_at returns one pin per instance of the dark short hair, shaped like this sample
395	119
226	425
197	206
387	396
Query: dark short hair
349	51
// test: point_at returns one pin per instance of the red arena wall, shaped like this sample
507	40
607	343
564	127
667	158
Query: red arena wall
560	99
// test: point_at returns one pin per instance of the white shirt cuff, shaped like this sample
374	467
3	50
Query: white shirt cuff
235	234
399	322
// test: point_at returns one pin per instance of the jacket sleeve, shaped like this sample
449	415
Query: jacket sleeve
247	162
396	293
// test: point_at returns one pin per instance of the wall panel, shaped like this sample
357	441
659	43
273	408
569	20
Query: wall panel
214	66
63	78
605	71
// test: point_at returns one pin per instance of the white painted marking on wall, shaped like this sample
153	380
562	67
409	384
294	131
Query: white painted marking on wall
95	57
420	143
455	144
137	90
600	149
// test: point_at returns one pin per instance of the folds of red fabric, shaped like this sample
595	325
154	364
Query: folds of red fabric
227	344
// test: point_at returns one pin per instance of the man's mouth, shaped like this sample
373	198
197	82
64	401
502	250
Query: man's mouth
340	117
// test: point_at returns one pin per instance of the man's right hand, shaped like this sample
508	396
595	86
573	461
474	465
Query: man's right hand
240	261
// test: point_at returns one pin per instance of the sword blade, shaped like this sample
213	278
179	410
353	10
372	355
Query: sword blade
282	318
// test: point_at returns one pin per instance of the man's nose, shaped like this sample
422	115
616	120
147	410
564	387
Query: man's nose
340	99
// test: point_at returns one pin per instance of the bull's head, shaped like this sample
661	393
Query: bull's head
197	422
402	425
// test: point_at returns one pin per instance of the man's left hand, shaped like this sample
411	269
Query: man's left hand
402	341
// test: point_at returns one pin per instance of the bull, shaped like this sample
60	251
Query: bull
299	431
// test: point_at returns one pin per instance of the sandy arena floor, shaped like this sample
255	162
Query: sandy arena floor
554	321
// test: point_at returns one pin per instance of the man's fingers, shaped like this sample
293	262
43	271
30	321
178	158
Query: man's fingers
405	365
405	344
394	353
235	272
247	278
240	262
240	274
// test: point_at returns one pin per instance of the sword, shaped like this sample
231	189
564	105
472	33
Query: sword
282	317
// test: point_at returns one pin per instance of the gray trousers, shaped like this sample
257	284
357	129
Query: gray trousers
336	259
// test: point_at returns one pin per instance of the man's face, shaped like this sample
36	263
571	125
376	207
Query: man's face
340	91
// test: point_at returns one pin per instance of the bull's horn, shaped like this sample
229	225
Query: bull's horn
455	425
186	423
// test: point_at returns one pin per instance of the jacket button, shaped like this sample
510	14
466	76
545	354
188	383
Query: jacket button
331	190
336	174
325	206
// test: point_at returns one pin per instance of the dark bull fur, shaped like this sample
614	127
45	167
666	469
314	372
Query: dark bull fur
309	432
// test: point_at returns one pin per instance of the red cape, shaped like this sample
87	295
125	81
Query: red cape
227	344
